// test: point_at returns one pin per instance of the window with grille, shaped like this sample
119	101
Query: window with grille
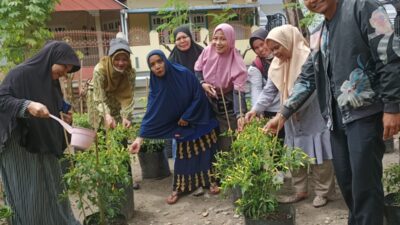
198	21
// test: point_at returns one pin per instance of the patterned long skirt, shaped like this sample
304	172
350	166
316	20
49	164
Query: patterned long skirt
193	163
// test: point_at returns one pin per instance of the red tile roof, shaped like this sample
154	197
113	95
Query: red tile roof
87	73
88	5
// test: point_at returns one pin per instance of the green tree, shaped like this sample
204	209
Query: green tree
223	17
23	28
174	13
295	16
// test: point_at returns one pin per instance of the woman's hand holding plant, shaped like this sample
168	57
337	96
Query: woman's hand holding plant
274	125
109	121
250	116
210	90
126	123
135	146
240	123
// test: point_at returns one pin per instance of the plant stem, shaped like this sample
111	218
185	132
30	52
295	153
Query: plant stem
99	199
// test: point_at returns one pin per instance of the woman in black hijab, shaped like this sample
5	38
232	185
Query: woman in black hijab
186	51
30	142
258	73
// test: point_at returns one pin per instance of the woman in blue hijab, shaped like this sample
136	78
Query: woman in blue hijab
178	108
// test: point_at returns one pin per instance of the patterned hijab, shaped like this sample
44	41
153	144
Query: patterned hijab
284	73
117	82
226	71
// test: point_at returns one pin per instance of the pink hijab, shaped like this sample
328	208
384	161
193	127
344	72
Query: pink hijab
226	71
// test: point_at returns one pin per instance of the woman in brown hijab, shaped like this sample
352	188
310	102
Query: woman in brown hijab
111	91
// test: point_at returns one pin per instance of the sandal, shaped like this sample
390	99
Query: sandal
173	198
214	189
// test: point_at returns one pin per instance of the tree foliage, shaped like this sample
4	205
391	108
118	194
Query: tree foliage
23	28
174	13
226	15
295	15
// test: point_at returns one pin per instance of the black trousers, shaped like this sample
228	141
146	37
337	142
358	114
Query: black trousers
358	149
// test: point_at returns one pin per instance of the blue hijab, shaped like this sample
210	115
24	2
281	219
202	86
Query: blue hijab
178	94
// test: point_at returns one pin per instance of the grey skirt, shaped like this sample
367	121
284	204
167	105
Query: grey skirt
33	184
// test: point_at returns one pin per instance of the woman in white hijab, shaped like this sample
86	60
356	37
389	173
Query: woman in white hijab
306	129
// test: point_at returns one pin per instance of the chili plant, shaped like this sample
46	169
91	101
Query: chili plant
99	175
391	181
253	165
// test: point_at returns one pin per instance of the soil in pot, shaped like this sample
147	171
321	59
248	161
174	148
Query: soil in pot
154	165
285	215
392	213
94	218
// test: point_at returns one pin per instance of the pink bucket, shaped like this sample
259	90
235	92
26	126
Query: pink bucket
81	138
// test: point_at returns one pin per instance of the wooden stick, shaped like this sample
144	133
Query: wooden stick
283	95
240	104
71	150
226	110
80	89
226	115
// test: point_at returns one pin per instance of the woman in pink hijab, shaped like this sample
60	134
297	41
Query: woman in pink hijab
223	74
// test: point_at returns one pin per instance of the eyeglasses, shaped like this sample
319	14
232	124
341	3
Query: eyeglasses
181	38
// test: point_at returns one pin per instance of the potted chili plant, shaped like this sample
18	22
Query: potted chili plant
253	165
391	181
153	159
100	177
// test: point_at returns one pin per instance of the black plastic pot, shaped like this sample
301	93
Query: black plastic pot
154	165
236	193
127	205
94	218
168	148
389	145
285	215
392	213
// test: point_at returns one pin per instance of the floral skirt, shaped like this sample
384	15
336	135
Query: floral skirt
193	163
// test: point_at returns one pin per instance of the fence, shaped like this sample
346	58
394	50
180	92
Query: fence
140	36
87	42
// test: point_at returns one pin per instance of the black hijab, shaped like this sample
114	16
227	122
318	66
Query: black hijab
32	80
260	34
187	58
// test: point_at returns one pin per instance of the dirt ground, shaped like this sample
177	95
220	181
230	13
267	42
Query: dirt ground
151	208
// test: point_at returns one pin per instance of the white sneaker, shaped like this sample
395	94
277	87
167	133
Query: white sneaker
319	201
198	192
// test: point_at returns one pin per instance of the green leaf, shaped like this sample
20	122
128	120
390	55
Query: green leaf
18	22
